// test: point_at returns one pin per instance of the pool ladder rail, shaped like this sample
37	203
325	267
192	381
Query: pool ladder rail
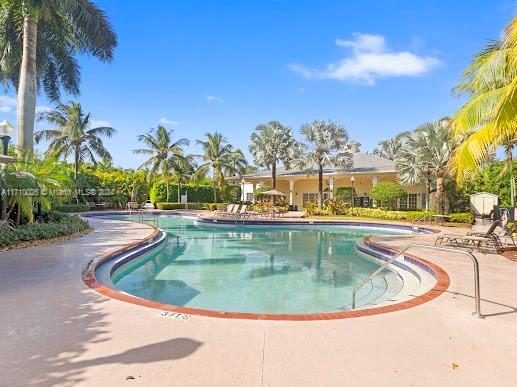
477	313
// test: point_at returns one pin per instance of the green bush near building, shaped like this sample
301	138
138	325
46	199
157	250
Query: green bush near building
196	193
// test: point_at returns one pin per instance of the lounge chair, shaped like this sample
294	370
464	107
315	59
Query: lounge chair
230	210
488	232
505	236
482	243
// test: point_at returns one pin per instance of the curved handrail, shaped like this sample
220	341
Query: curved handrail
370	277
477	292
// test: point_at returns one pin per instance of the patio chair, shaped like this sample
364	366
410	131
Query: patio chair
481	243
230	209
242	212
505	236
488	232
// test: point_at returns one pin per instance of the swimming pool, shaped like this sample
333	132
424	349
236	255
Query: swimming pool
261	269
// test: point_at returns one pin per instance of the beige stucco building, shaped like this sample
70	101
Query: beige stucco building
301	186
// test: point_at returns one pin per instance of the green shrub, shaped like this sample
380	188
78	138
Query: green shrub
258	193
345	194
461	217
387	194
181	206
72	207
54	224
196	193
310	208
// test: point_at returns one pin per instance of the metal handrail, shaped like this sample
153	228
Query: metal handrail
381	268
477	292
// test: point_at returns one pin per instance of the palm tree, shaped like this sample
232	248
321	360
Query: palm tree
428	150
490	116
162	153
183	169
412	166
326	146
39	40
40	176
508	167
72	136
219	157
272	143
388	149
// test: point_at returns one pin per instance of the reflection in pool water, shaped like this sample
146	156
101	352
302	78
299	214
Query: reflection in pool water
260	269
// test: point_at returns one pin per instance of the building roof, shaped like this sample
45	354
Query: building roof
361	163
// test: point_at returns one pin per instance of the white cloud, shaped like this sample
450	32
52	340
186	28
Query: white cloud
213	98
370	59
166	121
99	123
301	90
8	105
43	109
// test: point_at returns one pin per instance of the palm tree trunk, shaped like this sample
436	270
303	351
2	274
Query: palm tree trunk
509	158
167	190
27	86
76	167
439	192
320	186
428	191
214	187
179	192
273	174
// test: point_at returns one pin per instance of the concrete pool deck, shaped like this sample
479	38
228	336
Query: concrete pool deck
56	331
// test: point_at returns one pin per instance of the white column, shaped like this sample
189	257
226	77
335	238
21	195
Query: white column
331	187
291	191
375	181
254	189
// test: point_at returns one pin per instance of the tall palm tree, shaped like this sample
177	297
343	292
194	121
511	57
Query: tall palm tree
219	157
39	40
326	145
162	152
412	166
183	169
272	143
73	136
429	149
490	116
508	167
388	149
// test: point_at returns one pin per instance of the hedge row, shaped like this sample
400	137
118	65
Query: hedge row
196	193
72	208
55	224
378	213
190	206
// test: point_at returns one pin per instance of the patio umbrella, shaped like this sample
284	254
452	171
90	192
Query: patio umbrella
273	192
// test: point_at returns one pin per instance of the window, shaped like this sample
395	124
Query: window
411	201
309	197
403	203
249	196
424	200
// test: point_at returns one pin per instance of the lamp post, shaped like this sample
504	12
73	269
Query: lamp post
352	179
6	132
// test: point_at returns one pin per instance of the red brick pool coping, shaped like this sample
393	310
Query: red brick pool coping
89	278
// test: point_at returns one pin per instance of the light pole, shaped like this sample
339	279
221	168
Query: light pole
352	179
6	132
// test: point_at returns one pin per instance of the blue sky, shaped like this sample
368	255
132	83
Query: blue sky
377	67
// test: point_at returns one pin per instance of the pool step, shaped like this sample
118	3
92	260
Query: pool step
383	287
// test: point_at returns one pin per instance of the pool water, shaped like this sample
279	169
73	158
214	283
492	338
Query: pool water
259	269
